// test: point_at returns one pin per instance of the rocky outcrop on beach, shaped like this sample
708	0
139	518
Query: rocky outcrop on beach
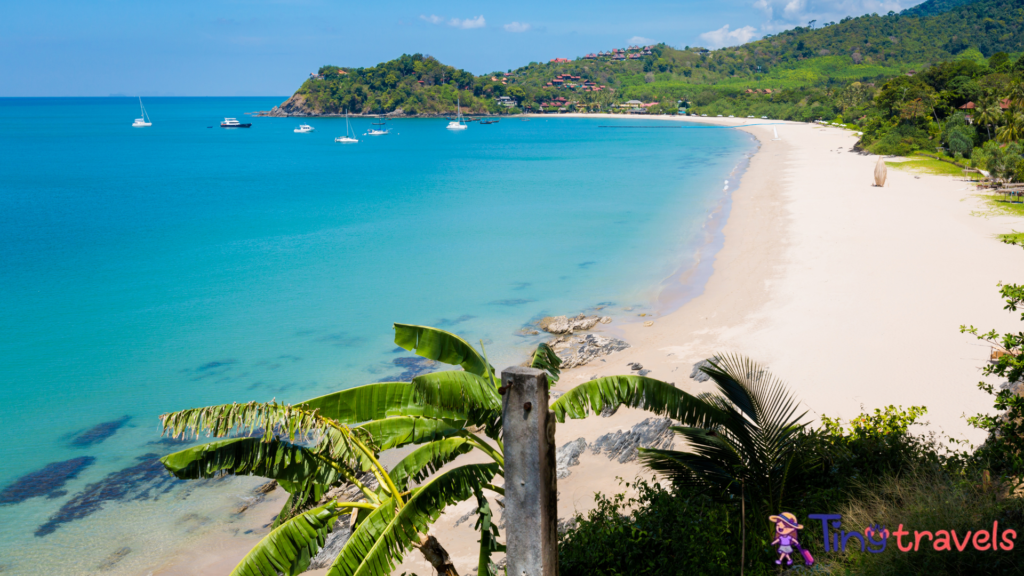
622	446
566	325
579	350
569	455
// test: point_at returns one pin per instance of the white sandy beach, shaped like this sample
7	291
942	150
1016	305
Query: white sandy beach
850	293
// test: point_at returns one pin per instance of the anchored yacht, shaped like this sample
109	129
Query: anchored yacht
233	123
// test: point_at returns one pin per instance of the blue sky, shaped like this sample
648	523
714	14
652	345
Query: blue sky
267	47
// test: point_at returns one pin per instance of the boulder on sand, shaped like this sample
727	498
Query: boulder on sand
566	325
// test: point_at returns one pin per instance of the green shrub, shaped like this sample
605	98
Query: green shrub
656	533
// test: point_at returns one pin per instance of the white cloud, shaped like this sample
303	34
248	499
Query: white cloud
640	40
468	23
784	14
517	27
432	19
795	8
725	37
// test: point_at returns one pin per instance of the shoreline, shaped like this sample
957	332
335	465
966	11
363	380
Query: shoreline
802	217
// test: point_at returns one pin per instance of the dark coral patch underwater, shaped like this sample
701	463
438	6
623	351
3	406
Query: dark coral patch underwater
99	432
46	481
144	481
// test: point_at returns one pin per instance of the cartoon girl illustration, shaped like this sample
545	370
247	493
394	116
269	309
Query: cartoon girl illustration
786	528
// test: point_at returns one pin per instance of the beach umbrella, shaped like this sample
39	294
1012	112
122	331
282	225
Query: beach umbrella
880	172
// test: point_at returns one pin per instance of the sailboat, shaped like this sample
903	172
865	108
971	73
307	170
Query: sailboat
459	123
349	137
144	121
381	131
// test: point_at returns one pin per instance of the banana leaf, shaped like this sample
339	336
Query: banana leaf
374	401
289	548
270	419
276	459
468	394
381	540
545	358
427	459
442	346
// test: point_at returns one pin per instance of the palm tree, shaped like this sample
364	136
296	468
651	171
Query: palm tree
1012	128
987	114
741	442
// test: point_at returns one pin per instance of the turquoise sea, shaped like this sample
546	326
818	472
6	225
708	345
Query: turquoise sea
145	270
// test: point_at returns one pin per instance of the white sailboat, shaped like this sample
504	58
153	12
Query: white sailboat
458	123
379	131
349	137
144	121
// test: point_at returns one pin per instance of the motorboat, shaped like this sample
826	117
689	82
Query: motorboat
233	123
304	129
489	121
349	137
382	131
144	121
459	123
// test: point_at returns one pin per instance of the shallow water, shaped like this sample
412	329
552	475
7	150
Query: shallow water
150	270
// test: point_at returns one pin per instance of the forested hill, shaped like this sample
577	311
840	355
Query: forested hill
868	48
933	7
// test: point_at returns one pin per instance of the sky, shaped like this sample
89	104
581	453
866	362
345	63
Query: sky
268	47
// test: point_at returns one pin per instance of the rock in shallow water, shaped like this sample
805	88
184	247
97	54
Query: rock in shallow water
566	325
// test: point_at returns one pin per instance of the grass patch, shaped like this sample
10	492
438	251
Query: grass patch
926	165
1015	238
1004	205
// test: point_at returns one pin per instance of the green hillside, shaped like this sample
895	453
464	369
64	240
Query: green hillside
799	65
934	7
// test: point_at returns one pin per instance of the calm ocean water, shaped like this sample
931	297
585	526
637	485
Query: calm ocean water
150	270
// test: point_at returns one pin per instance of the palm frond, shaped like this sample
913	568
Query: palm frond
442	346
427	459
289	548
637	392
381	540
545	358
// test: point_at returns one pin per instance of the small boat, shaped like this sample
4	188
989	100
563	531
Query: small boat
489	121
382	131
304	129
144	121
349	137
459	123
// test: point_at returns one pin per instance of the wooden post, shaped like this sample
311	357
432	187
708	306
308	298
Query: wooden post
531	493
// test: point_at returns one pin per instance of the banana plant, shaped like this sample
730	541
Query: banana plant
314	447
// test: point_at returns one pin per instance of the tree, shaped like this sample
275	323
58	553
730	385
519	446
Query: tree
987	114
741	441
332	441
1003	450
